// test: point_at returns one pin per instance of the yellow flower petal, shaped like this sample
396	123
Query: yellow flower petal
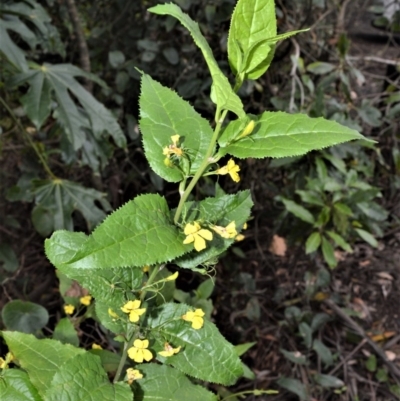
172	277
239	237
189	239
132	375
199	243
248	130
69	309
96	346
86	300
206	234
191	228
195	317
175	139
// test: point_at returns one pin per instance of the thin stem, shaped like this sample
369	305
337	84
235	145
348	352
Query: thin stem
152	276
203	166
26	135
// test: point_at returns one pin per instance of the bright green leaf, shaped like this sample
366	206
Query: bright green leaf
367	237
243	348
23	316
15	385
164	114
223	95
328	253
279	134
313	242
163	383
205	354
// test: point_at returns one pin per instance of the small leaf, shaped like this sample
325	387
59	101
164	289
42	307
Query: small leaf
15	385
323	352
298	210
8	258
116	58
279	134
12	52
328	252
26	317
224	96
340	241
320	68
295	357
313	242
163	383
367	237
328	381
371	363
65	332
306	333
171	54
243	348
294	386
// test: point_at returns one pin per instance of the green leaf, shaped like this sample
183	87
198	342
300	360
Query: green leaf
340	241
26	317
205	354
15	385
371	363
306	332
313	242
163	114
57	199
320	68
367	237
40	358
252	22
163	383
294	386
109	360
8	258
139	233
299	211
10	50
328	252
205	289
65	332
222	93
83	378
219	211
243	348
323	352
279	134
328	381
295	357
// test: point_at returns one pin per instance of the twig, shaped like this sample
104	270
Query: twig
376	59
393	368
295	58
80	37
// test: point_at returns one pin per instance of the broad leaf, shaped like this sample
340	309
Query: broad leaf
11	51
252	22
139	233
313	242
222	93
294	386
279	134
57	199
218	211
164	114
40	358
205	354
23	316
83	378
163	383
15	385
65	332
299	211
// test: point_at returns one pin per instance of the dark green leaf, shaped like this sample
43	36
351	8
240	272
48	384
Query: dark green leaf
323	352
8	258
65	332
328	252
298	210
328	381
294	386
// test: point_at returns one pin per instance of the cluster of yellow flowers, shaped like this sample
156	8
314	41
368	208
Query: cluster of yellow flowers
85	300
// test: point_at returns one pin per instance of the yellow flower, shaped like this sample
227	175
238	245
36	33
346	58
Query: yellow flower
196	317
248	130
112	314
132	307
239	237
4	362
139	351
69	309
232	169
194	233
172	277
85	300
245	226
132	375
173	149
96	346
226	232
169	350
145	268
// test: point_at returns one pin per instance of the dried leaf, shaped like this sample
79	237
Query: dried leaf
278	246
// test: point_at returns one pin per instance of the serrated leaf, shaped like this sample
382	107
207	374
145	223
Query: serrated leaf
83	378
252	22
279	134
328	253
24	316
40	358
15	385
222	93
299	211
139	233
57	199
205	354
163	383
164	114
219	211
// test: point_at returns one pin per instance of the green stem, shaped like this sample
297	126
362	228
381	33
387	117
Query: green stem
152	276
27	136
205	163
